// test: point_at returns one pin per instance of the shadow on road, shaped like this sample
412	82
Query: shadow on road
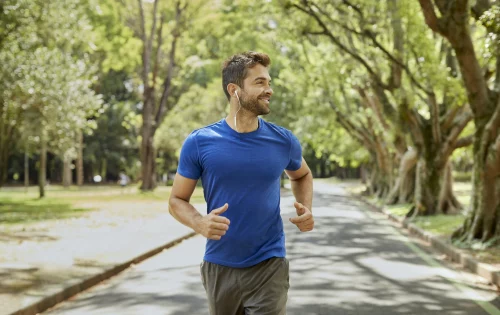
352	264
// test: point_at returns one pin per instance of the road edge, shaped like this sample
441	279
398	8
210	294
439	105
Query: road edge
466	261
47	302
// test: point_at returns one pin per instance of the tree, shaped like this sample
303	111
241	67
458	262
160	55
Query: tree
416	94
154	109
47	76
453	23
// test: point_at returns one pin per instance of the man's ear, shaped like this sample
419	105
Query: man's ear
232	88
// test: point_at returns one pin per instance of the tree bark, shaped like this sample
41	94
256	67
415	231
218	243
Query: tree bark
483	222
67	178
26	170
5	147
404	188
104	169
433	194
79	161
148	164
42	170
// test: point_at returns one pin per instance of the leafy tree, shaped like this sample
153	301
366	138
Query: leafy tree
451	19
403	82
47	77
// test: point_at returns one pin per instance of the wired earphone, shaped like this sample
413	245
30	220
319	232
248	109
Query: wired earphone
235	126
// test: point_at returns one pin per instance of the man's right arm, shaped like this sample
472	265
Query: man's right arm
212	226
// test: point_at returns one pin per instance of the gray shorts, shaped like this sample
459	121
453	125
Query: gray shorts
257	290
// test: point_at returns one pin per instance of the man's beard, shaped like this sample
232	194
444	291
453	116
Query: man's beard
253	104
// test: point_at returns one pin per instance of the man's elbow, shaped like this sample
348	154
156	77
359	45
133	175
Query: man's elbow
171	206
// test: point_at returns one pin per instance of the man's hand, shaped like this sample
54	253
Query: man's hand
304	219
213	226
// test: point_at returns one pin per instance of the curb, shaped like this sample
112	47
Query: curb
50	301
468	262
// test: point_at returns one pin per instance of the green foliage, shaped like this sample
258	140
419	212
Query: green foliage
46	73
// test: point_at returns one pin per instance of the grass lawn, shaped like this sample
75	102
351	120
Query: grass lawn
441	225
18	206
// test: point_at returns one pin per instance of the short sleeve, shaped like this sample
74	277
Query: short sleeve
189	162
295	155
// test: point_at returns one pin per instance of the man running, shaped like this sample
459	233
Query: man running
240	160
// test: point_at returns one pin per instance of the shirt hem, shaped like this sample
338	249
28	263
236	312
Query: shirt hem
242	265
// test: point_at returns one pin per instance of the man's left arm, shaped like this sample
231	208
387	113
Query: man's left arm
302	187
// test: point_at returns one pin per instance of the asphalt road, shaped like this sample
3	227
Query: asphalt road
354	262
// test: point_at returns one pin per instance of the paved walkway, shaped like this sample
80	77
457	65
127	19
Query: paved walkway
354	262
42	259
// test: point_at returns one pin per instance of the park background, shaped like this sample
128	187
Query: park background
400	97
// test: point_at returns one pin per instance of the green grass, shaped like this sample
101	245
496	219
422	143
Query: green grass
399	210
442	225
19	206
14	211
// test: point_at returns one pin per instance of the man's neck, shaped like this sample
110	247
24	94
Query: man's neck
245	121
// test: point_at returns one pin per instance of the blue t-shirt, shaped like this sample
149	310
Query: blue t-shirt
242	169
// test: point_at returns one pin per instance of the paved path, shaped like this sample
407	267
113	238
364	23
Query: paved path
354	262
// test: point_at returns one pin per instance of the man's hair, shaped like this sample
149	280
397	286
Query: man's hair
235	68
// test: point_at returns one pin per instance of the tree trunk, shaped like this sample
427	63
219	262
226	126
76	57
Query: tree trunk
67	178
4	156
379	183
384	171
26	170
483	221
323	169
404	188
448	202
363	174
79	160
148	154
148	164
42	171
433	191
104	169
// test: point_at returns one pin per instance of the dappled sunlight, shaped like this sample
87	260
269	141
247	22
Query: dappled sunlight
168	284
402	271
352	263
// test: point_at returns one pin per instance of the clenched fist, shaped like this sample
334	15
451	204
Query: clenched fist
213	226
304	219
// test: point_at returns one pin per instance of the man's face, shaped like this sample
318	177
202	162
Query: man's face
256	94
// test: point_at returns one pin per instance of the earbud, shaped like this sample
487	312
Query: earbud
235	125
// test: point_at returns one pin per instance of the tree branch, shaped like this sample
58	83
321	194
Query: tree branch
434	110
431	18
463	142
339	44
397	64
395	61
459	125
358	134
373	103
145	70
398	45
447	119
355	7
167	84
158	50
151	37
